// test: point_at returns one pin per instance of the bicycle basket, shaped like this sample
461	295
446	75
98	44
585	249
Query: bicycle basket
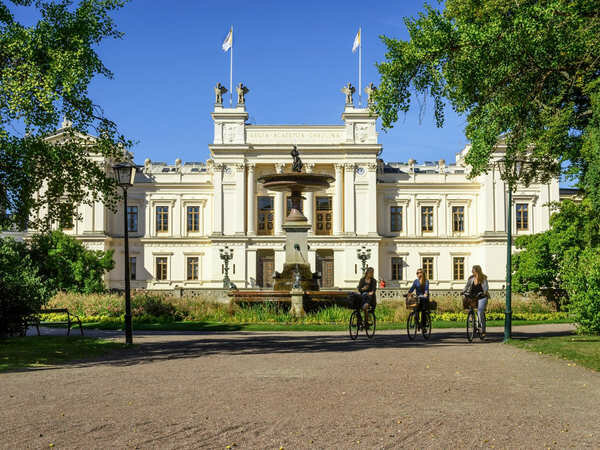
432	305
411	301
470	302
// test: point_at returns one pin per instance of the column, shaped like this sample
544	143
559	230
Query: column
279	210
309	203
444	219
240	199
309	207
411	215
349	209
251	267
218	199
251	203
338	200
372	177
278	219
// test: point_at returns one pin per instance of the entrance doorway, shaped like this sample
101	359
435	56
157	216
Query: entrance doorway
265	267
325	266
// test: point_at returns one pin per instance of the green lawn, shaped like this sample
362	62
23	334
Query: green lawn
583	350
282	326
39	351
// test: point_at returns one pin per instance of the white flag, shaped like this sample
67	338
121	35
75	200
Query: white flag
228	42
356	42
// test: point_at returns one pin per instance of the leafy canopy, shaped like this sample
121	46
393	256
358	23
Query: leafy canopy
523	69
45	71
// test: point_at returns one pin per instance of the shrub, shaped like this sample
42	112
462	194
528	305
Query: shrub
21	289
582	282
66	265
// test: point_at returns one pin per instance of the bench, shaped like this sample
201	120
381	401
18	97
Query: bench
71	318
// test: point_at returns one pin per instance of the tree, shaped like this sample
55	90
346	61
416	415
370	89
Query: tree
45	71
527	70
66	265
546	258
582	279
22	290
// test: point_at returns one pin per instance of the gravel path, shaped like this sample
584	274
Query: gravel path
306	390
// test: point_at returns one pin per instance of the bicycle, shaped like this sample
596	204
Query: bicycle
357	323
418	320
473	321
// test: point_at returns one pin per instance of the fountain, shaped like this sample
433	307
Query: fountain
296	276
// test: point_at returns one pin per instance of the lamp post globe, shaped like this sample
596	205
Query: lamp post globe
124	175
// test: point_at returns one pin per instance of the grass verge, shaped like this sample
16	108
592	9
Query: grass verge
40	351
117	324
583	350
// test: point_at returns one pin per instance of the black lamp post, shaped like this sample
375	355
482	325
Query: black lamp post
124	174
510	172
226	254
363	254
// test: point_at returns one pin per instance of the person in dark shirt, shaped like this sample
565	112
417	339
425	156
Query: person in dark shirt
366	288
421	287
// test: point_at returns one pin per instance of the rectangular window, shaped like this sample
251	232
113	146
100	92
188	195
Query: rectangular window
132	267
193	219
288	206
161	268
265	215
396	218
397	264
459	268
324	216
522	216
192	268
132	218
427	219
458	219
428	267
162	219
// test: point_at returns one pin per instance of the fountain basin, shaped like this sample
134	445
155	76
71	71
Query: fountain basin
296	182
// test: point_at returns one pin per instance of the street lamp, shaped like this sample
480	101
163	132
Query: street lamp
363	254
510	172
226	254
124	174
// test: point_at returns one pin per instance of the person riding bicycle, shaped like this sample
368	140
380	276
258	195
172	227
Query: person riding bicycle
366	292
421	286
477	288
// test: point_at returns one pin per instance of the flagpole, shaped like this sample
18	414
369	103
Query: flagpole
231	70
360	67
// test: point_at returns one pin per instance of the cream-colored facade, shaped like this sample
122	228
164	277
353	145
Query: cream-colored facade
409	215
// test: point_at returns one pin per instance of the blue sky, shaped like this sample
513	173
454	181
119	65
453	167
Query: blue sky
294	57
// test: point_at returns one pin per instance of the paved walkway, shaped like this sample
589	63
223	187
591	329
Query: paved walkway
306	390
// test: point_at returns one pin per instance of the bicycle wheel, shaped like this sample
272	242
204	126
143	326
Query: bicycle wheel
411	326
426	325
371	323
353	325
470	325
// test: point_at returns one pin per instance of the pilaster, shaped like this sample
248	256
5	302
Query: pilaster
349	199
338	200
251	203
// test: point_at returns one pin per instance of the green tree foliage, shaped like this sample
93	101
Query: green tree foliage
582	279
22	290
527	70
45	71
66	265
545	258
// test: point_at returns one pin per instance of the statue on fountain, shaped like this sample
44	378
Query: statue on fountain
297	164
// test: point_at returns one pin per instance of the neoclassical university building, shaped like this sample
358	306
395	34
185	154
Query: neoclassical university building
409	214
